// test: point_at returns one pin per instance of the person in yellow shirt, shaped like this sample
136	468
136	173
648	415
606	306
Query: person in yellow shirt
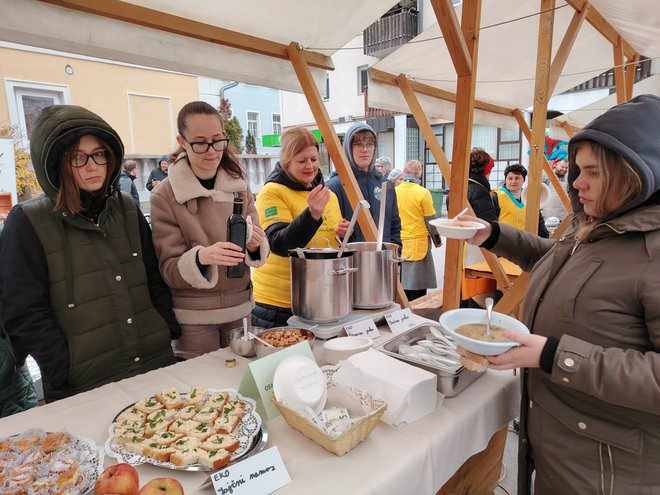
416	209
295	209
509	203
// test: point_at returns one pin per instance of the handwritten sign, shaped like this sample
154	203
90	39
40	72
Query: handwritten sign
260	474
258	378
363	328
402	320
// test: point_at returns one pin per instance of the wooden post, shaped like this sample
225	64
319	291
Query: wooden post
335	149
619	72
541	98
566	46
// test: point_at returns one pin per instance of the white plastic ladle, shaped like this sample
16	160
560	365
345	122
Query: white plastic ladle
245	329
261	340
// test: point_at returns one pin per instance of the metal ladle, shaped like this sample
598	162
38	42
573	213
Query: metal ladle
489	311
361	204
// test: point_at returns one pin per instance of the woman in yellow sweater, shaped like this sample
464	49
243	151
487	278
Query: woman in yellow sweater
416	209
295	209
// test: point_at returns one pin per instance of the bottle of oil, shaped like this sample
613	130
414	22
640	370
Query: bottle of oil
236	233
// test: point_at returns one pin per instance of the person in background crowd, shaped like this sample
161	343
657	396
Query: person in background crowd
127	180
79	284
189	213
383	165
158	174
297	210
360	147
508	200
395	177
590	411
479	195
416	207
554	207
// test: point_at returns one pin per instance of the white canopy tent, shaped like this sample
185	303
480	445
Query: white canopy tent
582	116
507	56
151	41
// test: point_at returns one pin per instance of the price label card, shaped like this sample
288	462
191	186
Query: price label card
402	320
363	328
260	474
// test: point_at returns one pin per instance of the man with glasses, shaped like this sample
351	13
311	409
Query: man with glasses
384	165
360	145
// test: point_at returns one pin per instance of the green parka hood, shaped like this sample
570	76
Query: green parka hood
56	128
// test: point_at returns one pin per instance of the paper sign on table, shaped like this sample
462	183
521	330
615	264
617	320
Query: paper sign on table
260	474
258	378
363	328
401	320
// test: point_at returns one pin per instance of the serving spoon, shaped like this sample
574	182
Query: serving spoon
261	340
455	219
489	310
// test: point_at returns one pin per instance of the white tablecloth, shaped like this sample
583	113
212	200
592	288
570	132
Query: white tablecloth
415	459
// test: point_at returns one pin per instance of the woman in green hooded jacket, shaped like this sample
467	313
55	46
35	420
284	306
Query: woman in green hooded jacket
80	288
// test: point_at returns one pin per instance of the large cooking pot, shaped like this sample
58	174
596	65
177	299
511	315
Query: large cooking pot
374	285
321	288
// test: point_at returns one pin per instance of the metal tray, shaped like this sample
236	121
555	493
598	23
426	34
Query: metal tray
449	384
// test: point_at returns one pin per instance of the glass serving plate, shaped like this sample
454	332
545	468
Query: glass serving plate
249	432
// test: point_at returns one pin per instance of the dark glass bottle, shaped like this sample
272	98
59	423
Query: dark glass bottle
236	233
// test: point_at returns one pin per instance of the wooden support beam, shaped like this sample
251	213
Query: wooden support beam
570	129
335	149
454	37
445	168
441	94
631	67
603	27
619	72
541	98
565	47
465	92
143	16
561	192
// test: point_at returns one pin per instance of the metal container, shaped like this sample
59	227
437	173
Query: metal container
450	384
374	285
321	289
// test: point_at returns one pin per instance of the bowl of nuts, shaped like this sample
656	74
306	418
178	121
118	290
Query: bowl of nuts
280	338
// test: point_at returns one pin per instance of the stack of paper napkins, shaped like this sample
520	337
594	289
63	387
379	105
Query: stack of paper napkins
410	392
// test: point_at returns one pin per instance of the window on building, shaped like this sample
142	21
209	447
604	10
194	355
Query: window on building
253	124
362	79
27	100
277	123
326	96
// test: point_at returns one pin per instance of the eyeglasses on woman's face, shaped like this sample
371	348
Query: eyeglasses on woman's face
79	159
201	147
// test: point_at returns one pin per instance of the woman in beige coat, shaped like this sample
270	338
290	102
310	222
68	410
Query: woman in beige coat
189	213
590	413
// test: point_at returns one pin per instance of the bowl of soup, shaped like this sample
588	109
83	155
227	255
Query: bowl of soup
468	329
460	229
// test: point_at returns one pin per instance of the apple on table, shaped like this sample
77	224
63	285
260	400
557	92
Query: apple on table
120	479
162	486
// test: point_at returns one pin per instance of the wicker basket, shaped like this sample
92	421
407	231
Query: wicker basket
352	436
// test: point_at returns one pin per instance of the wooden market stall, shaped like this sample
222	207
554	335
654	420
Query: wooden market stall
528	51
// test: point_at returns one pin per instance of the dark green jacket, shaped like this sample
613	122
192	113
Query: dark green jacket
17	392
79	294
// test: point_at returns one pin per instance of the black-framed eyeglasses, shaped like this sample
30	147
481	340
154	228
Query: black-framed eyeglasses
79	159
201	147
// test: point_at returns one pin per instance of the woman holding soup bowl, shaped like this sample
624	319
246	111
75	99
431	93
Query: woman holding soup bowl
590	412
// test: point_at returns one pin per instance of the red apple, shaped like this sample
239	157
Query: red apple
118	479
162	486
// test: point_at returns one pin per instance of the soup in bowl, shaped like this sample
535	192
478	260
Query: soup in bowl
467	327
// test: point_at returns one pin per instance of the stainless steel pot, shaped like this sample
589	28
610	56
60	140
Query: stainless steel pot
321	289
374	285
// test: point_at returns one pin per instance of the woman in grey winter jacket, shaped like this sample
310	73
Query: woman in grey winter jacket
590	413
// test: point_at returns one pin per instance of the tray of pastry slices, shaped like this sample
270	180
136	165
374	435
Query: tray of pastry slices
36	462
196	430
